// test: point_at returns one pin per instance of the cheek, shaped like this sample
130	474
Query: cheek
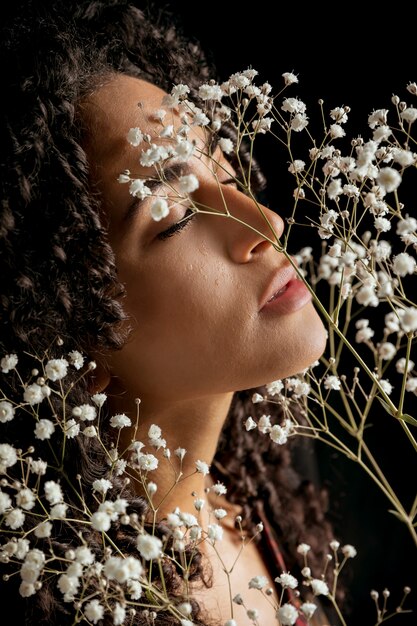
181	312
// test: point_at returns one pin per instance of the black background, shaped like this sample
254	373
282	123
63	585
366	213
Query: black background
356	55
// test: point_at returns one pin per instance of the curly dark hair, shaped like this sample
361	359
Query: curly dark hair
58	274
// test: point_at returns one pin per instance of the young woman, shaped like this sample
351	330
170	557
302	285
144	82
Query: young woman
190	316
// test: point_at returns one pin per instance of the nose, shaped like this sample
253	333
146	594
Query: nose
250	230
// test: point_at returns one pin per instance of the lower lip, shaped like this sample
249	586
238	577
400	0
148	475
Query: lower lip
292	299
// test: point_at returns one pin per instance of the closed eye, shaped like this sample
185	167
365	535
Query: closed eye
190	214
176	228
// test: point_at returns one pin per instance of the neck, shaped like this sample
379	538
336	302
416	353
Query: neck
193	425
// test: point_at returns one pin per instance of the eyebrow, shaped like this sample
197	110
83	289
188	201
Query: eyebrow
171	174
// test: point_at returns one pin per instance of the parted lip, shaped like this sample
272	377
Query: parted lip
280	277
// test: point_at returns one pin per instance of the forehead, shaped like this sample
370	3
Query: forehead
124	102
121	103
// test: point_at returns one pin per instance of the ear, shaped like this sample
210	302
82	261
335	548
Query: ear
99	378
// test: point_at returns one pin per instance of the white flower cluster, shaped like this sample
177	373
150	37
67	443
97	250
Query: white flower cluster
34	506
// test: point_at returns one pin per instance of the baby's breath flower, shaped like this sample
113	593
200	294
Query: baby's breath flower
26	589
15	519
386	386
85	412
180	453
199	503
56	369
237	599
258	582
409	115
336	131
287	581
400	365
188	183
8	456
159	209
296	166
332	382
120	421
76	359
147	462
139	189
119	614
319	587
53	492
72	429
33	394
102	485
226	145
135	137
185	608
99	399
289	78
278	435
6	411
195	533
403	264
214	532
101	521
149	547
250	423
58	511
349	551
303	548
287	614
154	432
339	115
264	424
202	467
8	363
389	179
5	502
275	387
94	611
219	489
253	614
38	467
43	530
90	431
26	499
408	319
308	609
256	398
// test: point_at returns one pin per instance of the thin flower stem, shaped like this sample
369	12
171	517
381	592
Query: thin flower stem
413	510
337	609
404	380
387	490
352	430
365	368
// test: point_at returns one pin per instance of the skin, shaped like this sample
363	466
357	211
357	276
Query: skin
193	301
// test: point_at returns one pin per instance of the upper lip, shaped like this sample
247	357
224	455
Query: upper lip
280	277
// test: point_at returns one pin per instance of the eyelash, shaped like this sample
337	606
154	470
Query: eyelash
176	228
190	215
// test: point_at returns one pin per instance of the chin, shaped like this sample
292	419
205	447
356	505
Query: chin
316	341
305	342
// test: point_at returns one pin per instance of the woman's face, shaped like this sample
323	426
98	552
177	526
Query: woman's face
195	298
